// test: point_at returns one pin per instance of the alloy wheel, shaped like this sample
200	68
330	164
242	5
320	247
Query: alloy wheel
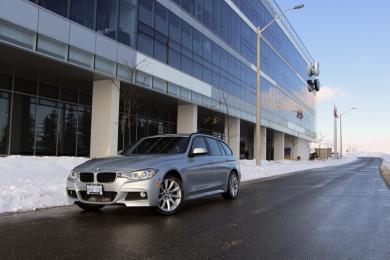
233	184
170	195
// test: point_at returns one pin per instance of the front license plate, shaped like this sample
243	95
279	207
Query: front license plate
94	189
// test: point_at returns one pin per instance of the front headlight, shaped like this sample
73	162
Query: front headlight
73	175
140	175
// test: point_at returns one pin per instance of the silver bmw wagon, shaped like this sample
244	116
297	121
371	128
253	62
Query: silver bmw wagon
159	171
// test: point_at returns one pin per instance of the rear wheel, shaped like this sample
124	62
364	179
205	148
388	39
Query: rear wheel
170	197
233	186
89	207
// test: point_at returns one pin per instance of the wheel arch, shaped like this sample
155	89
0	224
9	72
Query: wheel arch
175	173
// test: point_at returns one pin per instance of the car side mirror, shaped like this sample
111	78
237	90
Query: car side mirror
199	151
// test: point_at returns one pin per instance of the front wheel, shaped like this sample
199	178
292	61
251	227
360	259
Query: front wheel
233	186
89	207
170	197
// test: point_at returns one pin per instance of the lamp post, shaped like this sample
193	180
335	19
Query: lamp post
259	31
341	130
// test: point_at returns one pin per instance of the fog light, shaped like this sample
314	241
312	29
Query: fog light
142	194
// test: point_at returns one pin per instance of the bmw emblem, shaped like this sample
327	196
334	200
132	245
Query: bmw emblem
98	169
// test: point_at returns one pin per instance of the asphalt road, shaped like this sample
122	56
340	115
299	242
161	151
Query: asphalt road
332	213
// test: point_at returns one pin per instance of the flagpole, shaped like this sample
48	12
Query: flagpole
335	135
335	115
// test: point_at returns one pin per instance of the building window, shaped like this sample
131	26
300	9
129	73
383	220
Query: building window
127	22
23	124
186	35
174	28
174	58
197	42
216	16
107	17
160	50
145	41
161	19
46	127
146	12
83	12
67	129
206	48
186	64
197	70
188	5
25	86
215	54
57	6
207	9
48	91
83	131
5	101
199	9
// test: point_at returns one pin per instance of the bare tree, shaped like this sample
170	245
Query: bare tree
129	99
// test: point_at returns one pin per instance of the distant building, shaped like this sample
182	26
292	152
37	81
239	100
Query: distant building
89	77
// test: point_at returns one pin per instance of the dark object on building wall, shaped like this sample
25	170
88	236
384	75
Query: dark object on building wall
313	85
299	113
317	85
314	69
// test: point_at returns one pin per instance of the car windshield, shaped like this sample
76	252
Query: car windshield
159	145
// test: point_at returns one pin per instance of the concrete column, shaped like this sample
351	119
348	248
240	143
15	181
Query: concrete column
232	134
278	146
105	116
263	140
187	118
288	144
300	148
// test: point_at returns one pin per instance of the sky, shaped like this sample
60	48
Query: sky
351	40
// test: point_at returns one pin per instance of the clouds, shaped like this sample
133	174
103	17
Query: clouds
328	93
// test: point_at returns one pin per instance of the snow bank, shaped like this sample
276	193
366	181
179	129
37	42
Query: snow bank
249	170
28	182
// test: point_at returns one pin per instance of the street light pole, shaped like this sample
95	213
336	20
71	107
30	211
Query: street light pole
258	101
259	31
341	130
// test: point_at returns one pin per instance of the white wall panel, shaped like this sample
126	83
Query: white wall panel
20	12
82	38
106	48
53	26
127	56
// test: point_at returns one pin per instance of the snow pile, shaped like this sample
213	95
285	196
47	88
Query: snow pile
28	183
250	171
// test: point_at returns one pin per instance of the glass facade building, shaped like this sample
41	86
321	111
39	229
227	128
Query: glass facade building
211	41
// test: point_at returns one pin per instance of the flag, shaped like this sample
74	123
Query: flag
335	112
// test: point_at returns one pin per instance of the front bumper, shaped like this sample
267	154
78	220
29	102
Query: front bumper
120	191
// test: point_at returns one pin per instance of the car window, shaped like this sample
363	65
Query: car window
159	145
214	147
199	143
226	148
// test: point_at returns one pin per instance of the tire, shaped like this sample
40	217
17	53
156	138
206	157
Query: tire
89	207
170	197
233	187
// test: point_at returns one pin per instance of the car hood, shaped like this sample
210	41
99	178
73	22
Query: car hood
125	163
